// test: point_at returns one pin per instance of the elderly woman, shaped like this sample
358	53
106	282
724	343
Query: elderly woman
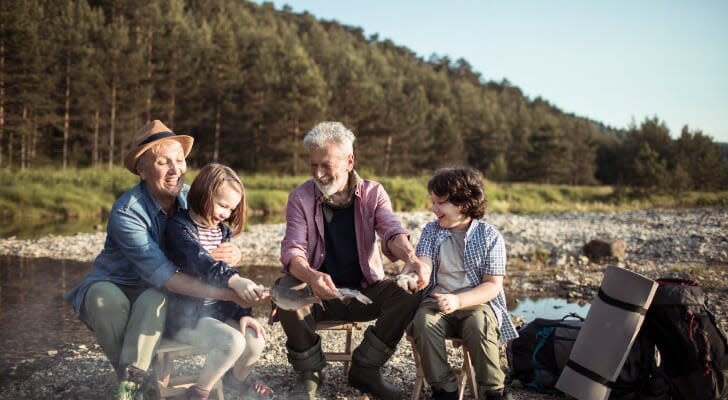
120	300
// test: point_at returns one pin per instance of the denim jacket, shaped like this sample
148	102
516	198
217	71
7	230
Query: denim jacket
132	254
183	246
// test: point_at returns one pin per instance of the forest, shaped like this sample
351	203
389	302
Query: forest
78	77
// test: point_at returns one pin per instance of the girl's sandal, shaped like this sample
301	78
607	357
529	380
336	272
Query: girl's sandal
249	387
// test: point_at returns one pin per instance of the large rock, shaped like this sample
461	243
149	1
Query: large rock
598	250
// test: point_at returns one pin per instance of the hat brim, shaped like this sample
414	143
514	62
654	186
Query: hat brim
132	157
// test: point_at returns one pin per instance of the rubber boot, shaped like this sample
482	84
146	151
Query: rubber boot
309	364
503	394
130	385
441	394
365	373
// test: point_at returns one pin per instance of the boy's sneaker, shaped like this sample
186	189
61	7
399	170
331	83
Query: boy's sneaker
129	390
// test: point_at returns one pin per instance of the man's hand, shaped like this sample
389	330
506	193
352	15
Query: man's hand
447	302
421	269
249	291
322	286
252	323
227	252
408	282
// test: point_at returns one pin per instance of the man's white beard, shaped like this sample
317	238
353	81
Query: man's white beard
330	189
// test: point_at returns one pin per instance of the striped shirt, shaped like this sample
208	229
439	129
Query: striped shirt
210	237
485	254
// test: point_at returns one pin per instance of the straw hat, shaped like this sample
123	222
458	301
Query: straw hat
149	135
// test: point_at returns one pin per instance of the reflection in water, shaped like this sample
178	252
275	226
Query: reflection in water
32	229
36	319
35	228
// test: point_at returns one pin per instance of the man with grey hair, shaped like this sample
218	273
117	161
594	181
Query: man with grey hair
330	243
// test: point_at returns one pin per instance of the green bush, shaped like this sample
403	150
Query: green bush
266	202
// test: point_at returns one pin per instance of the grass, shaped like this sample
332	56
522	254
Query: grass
51	194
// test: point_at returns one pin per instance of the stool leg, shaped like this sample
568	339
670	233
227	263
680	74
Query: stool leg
218	390
165	362
348	349
420	375
469	374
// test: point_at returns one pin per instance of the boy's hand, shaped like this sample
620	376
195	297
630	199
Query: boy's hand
447	302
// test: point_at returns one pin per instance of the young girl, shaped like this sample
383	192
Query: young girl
465	296
231	335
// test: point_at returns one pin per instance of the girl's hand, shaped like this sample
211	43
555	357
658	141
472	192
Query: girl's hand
249	291
252	323
447	302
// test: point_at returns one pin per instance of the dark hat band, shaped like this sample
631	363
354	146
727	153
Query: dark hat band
156	136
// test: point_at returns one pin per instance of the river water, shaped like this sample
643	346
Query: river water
34	318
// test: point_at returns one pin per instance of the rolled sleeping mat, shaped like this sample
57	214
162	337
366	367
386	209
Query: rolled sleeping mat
607	335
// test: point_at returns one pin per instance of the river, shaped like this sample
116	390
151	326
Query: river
36	320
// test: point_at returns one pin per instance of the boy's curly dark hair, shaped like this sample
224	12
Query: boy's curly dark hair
462	186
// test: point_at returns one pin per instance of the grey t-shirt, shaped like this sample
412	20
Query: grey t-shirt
451	277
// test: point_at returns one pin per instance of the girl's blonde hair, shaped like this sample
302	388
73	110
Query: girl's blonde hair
201	198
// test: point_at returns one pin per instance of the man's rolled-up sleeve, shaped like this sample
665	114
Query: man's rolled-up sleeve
295	240
387	224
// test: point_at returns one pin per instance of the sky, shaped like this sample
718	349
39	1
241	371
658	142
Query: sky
614	61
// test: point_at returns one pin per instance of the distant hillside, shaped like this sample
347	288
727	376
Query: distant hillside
247	81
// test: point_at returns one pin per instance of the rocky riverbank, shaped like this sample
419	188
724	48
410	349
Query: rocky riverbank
545	259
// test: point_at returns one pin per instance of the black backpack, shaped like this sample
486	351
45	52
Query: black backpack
641	378
692	346
540	352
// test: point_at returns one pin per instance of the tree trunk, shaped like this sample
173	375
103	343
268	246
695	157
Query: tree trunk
23	137
388	154
2	91
296	155
67	104
112	124
10	149
150	89
33	142
95	149
218	123
173	88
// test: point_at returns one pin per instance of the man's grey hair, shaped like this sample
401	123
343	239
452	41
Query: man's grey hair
330	132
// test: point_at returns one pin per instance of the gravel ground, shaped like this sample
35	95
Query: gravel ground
545	260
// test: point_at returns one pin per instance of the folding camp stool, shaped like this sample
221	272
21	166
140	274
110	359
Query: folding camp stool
348	328
170	385
465	374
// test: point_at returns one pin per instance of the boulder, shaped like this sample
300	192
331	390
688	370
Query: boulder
598	250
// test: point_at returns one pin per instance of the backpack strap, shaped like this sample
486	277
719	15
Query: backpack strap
537	383
576	367
620	304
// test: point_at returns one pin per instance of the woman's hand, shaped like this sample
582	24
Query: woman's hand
227	252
